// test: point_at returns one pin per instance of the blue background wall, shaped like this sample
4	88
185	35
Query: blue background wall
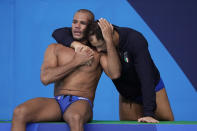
26	27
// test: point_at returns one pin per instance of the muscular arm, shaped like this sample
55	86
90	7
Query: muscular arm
51	72
110	61
64	36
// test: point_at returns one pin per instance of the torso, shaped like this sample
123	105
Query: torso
83	80
129	84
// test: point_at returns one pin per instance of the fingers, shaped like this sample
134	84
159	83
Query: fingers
104	23
89	51
106	29
83	54
86	51
78	49
84	57
78	46
148	120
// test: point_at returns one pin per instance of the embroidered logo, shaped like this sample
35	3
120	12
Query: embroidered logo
126	58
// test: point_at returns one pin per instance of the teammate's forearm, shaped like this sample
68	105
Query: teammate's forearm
113	60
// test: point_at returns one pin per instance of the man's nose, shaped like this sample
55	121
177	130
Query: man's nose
77	25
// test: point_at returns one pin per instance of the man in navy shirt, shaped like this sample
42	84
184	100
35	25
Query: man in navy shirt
142	93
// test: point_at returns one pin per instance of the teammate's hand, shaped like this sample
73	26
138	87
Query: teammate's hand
148	119
89	51
106	29
83	55
78	46
75	45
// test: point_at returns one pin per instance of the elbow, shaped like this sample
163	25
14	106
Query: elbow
44	80
115	75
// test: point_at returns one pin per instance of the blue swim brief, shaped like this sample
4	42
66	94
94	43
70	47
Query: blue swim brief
66	100
159	86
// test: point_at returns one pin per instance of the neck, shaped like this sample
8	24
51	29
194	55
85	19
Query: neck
83	41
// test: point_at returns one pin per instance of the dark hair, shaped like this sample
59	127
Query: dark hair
89	12
94	29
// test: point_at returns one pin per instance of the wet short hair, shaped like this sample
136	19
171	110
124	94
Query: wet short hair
88	12
94	29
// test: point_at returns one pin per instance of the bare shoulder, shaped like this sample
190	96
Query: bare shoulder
51	47
60	47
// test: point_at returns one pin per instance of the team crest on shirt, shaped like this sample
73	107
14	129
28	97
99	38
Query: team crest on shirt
126	58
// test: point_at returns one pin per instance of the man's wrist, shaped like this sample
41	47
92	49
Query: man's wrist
109	39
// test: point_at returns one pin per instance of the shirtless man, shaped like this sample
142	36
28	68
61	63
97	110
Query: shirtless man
76	74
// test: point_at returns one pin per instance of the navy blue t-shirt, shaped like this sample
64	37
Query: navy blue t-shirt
139	75
63	36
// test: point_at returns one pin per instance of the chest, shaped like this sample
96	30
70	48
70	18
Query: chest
127	62
92	65
65	56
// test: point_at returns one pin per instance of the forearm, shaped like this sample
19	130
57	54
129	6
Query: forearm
113	60
149	102
147	78
112	65
52	74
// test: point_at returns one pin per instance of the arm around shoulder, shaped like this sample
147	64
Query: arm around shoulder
63	36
